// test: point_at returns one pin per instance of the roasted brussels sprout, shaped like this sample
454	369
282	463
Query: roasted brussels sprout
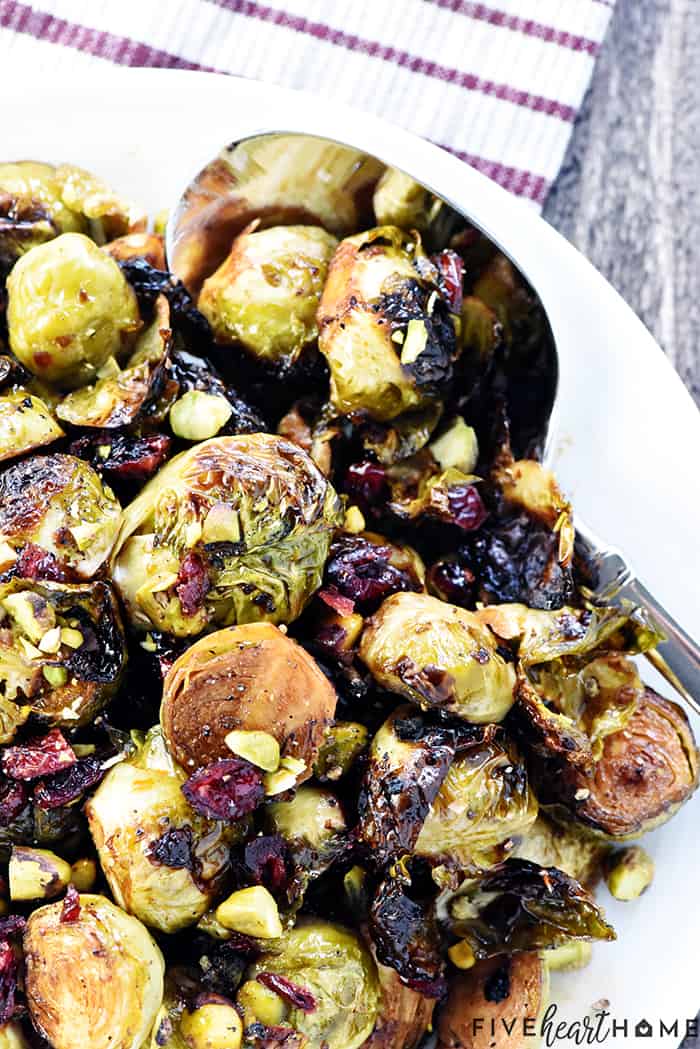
164	863
107	214
233	530
249	677
565	846
312	825
62	649
498	1004
25	423
59	504
69	309
32	210
401	201
147	246
342	744
404	1014
264	297
93	978
438	655
385	328
339	977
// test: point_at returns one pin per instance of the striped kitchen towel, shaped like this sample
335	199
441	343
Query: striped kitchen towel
498	83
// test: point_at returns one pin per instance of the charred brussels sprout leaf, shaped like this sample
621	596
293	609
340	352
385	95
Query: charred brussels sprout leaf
62	650
385	328
264	297
25	423
163	862
234	530
565	846
59	504
519	906
69	309
331	963
401	201
405	933
438	655
404	1014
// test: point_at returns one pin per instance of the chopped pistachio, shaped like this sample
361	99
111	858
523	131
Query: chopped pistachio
415	341
221	525
85	534
285	777
354	884
259	748
84	874
109	370
32	614
197	415
457	447
8	555
629	873
214	1025
56	676
37	874
462	955
251	911
70	637
260	1004
51	641
576	954
30	651
354	520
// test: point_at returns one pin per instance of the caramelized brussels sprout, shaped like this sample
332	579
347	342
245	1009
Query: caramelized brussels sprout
333	967
401	201
148	246
342	744
385	329
59	504
25	423
62	649
32	210
313	826
94	978
107	214
69	309
164	863
498	1004
529	486
249	677
266	294
438	655
404	1014
233	530
520	906
562	845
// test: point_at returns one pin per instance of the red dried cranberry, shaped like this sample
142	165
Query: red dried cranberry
265	859
129	459
366	484
174	849
70	911
361	570
298	997
13	797
192	584
38	757
436	988
466	507
12	925
66	787
35	563
344	606
451	270
9	979
225	790
331	637
452	582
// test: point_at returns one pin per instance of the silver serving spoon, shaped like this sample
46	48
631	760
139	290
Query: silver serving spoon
284	177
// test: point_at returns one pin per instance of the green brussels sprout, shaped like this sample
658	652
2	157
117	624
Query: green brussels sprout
520	906
106	214
62	650
419	489
438	655
25	423
401	201
234	530
442	790
266	294
163	862
385	329
329	962
32	209
118	398
59	504
565	846
95	980
69	309
313	826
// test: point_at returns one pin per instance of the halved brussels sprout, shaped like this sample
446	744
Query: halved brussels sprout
117	399
499	1004
520	906
313	826
25	423
404	1014
62	649
562	845
32	210
69	309
59	504
332	965
108	215
442	791
401	201
234	530
95	979
148	246
385	328
438	655
264	297
164	863
527	485
249	677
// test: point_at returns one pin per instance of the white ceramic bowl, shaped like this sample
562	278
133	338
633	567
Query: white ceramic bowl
627	433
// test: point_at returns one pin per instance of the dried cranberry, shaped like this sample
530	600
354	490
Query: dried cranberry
174	849
13	797
466	507
192	584
225	790
362	571
265	860
452	582
9	979
127	458
65	787
344	606
298	997
366	484
34	562
70	911
12	925
436	988
331	637
38	757
450	269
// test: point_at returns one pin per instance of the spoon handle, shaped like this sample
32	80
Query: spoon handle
678	656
